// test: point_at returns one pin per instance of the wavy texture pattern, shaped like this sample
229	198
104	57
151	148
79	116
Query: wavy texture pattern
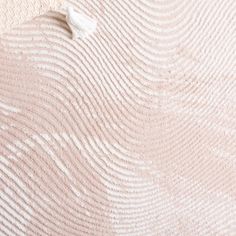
131	132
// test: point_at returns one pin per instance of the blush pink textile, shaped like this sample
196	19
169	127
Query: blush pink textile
131	131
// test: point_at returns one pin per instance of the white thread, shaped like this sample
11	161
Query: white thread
81	25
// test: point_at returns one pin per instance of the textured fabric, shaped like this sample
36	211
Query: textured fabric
16	12
129	132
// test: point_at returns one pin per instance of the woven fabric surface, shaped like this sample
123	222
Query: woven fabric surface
16	12
130	132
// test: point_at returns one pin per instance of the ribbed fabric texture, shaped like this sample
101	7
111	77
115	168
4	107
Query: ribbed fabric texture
128	132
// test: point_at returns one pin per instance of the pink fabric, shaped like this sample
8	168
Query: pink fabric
15	12
129	132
